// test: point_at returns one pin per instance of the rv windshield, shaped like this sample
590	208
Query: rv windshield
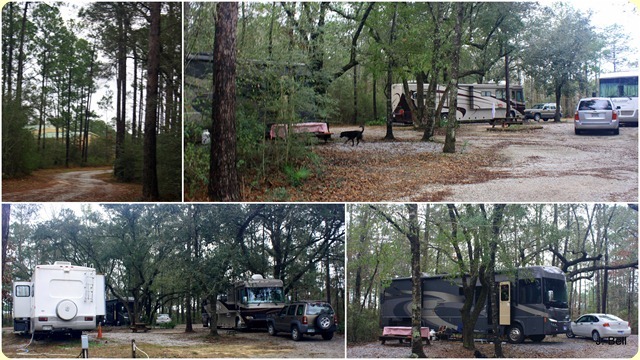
265	295
559	296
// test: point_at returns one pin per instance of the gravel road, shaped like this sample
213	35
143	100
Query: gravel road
252	343
554	347
544	162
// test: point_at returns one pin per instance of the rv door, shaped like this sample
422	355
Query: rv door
22	295
505	303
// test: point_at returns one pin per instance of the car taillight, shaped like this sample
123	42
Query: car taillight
304	320
42	318
605	324
614	116
576	117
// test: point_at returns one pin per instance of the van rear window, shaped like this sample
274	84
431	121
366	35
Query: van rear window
595	104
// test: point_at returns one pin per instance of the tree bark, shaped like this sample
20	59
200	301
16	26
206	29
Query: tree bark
21	56
390	64
149	171
452	122
223	177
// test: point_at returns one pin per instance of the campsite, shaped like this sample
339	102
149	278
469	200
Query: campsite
122	272
533	280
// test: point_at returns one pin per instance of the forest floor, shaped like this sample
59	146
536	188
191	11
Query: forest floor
75	184
175	343
538	162
551	348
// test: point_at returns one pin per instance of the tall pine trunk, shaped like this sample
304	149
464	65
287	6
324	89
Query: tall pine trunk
149	172
223	177
452	121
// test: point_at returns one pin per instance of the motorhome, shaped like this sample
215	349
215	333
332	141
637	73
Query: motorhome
247	303
532	304
60	298
622	89
476	102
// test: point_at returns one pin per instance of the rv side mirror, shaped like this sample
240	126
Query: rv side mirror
550	294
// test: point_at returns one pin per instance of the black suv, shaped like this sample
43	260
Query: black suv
304	317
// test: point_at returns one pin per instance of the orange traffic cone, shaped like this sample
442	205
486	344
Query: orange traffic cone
99	331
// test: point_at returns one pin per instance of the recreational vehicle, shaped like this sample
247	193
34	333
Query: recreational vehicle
622	89
532	304
248	303
60	298
476	102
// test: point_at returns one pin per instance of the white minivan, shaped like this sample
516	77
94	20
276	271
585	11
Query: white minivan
596	114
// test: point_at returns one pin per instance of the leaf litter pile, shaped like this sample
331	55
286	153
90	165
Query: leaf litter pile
379	170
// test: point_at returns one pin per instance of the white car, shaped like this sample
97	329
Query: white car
599	326
163	319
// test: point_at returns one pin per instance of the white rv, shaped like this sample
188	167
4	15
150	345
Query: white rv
60	298
476	102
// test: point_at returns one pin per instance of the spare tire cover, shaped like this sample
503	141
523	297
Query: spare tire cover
66	310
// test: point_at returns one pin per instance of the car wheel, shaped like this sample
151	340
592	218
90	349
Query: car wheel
570	334
515	334
327	336
295	334
324	321
271	329
595	336
536	117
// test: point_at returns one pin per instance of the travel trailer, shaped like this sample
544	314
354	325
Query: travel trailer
248	303
476	102
532	304
60	298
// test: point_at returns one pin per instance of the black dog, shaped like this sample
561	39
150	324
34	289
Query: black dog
353	135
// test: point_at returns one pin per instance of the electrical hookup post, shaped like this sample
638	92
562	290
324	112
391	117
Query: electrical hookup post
84	340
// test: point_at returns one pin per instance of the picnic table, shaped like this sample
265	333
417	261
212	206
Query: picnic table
319	129
139	327
401	333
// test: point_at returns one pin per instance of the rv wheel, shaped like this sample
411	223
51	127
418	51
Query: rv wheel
515	335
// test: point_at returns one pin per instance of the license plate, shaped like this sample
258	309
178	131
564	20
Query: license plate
310	330
620	332
564	328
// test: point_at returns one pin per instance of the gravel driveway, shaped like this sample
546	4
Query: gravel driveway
544	162
551	347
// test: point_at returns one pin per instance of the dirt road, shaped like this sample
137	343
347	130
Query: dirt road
550	348
95	184
543	162
175	343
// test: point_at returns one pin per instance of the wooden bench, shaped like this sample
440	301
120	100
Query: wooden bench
139	327
326	136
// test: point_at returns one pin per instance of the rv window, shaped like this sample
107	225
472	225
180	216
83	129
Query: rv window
529	291
487	93
23	291
292	310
